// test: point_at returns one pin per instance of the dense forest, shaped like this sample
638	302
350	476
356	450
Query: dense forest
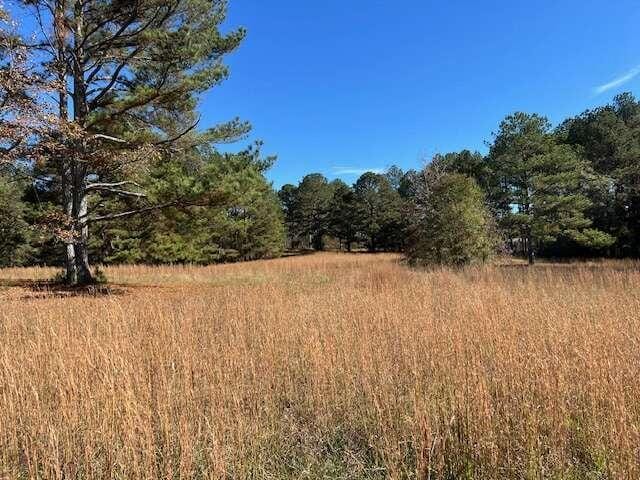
102	158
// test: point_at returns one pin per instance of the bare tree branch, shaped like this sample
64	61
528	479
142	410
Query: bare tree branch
97	186
121	193
130	213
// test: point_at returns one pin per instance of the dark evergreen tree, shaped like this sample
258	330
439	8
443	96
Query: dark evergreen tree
15	235
542	186
312	209
287	197
609	138
472	164
344	219
379	208
243	223
394	175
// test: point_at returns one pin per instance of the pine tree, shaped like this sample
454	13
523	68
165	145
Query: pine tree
344	216
15	234
379	209
473	165
245	221
312	209
127	76
542	186
287	198
609	136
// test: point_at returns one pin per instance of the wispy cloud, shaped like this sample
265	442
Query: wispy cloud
355	170
621	80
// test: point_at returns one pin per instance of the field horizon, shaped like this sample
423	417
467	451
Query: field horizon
323	366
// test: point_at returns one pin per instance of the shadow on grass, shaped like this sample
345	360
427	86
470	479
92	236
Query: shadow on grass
566	267
297	253
46	289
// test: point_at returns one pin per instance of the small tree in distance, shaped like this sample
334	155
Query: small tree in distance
450	224
343	215
378	205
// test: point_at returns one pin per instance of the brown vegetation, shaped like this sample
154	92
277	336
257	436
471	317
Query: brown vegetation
324	366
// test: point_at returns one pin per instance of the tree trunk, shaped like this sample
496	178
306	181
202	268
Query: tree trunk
372	245
67	193
66	170
84	276
318	242
76	209
79	167
531	254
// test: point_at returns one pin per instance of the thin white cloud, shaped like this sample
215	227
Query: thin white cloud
621	80
355	170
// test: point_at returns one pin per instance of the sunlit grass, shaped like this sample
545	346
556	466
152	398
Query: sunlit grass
324	366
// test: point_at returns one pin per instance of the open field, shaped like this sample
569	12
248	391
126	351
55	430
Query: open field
324	366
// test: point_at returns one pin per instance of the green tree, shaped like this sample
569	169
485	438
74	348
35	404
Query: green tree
609	137
472	164
127	76
287	197
242	221
312	209
407	184
344	216
379	208
14	231
542	186
394	175
449	222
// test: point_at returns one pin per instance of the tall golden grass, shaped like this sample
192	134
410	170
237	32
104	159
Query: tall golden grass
324	366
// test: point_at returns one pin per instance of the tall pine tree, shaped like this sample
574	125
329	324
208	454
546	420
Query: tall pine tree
127	75
542	186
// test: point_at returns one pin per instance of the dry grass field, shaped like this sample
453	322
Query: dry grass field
324	366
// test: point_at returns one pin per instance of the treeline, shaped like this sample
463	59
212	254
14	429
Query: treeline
102	160
240	220
319	212
568	191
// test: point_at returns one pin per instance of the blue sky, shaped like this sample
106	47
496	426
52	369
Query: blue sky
347	85
343	86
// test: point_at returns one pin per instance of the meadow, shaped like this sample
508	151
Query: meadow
323	366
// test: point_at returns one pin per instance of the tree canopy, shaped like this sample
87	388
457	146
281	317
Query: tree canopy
450	223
